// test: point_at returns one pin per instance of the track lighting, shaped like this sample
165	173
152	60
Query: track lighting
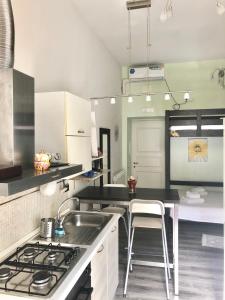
167	97
113	100
130	99
220	8
148	98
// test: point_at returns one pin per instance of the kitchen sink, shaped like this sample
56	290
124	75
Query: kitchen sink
81	228
86	220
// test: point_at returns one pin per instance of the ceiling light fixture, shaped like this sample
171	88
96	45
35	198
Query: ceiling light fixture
113	100
130	99
167	12
169	94
220	8
148	98
167	97
186	96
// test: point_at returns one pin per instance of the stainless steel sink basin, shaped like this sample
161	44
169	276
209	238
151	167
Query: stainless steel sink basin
81	228
86	220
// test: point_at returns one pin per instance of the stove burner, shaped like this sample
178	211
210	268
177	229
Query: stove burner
52	255
5	273
29	252
41	279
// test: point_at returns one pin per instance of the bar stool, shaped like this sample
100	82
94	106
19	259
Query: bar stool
153	207
117	209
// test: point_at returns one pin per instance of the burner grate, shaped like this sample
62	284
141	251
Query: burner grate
36	269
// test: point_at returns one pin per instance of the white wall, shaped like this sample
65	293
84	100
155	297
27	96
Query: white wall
55	45
57	48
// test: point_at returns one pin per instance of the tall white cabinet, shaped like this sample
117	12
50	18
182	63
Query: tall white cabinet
63	125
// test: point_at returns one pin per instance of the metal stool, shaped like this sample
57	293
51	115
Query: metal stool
152	207
117	209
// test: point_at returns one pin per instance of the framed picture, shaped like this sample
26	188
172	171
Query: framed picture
197	149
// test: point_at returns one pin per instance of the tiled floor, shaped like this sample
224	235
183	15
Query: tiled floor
201	268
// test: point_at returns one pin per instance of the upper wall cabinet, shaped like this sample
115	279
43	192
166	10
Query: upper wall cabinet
78	116
63	125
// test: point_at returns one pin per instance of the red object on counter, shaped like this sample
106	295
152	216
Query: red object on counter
132	185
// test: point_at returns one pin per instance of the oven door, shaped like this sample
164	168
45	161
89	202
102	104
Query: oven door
85	294
82	289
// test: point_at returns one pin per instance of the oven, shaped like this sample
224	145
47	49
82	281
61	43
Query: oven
82	289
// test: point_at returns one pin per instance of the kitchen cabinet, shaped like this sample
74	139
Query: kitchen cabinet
105	268
63	125
113	262
78	114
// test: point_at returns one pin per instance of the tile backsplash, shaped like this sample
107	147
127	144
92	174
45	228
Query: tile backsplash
21	214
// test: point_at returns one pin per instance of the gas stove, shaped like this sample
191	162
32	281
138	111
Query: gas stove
37	269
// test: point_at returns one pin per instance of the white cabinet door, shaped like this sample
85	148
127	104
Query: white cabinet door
105	268
99	280
78	115
113	262
79	151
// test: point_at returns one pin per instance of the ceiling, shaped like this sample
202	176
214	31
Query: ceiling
195	32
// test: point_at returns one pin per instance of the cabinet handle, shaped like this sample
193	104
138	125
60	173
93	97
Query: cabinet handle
101	249
80	131
114	229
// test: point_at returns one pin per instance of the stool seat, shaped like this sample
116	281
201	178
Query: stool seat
146	222
114	210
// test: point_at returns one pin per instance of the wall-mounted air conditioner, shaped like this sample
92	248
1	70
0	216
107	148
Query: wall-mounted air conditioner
152	72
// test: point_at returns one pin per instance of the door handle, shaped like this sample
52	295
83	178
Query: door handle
135	163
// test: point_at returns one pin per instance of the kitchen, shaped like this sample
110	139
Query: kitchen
58	47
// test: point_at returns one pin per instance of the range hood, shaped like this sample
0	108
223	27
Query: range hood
17	118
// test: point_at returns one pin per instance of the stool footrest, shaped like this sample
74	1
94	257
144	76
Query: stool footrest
149	263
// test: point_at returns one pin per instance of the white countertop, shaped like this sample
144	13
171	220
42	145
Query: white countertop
71	278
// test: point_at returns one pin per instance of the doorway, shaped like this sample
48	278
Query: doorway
105	163
148	152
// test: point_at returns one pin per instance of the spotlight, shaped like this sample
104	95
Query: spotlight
148	98
186	96
113	100
220	8
130	99
167	97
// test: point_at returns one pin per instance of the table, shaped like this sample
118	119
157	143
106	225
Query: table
121	196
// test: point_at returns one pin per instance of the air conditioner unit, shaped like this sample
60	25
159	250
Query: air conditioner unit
152	72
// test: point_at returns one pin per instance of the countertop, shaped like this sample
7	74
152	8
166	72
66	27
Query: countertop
31	178
71	278
121	195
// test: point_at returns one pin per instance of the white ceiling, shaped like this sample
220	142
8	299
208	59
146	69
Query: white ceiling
195	32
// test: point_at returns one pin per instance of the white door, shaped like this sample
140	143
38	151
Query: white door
148	153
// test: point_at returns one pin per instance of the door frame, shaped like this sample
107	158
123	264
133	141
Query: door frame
105	131
129	137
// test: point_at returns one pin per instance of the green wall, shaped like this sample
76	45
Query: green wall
194	76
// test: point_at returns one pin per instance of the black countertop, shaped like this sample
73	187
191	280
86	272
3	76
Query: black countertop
31	178
122	194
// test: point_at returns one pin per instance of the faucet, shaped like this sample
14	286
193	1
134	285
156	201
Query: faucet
60	218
